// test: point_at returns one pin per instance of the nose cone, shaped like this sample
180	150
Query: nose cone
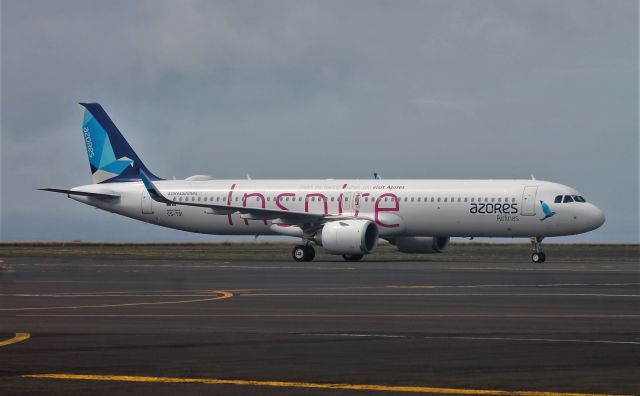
595	217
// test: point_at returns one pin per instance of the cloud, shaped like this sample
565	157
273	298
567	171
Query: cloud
464	89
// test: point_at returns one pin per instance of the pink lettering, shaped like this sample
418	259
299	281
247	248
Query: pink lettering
244	203
320	196
340	200
378	209
357	201
229	202
281	206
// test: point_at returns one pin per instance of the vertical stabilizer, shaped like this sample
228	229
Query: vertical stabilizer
110	157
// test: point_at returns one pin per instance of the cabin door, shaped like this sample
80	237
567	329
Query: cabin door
529	201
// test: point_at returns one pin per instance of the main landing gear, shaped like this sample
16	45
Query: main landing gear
303	253
538	255
352	257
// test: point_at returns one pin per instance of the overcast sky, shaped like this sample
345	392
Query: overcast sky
319	89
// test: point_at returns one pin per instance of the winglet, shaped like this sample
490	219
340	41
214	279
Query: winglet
153	191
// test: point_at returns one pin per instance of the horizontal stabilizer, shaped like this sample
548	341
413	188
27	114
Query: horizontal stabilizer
81	193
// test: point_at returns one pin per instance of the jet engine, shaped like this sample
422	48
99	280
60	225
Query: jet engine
349	237
421	244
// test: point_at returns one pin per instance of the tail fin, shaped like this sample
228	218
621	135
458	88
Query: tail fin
110	157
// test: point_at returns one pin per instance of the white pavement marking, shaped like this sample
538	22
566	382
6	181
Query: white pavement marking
354	335
536	339
509	285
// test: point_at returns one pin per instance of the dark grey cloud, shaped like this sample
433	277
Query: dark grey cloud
316	89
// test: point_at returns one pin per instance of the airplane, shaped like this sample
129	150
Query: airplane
344	217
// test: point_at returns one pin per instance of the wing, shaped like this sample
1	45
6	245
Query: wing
309	220
81	193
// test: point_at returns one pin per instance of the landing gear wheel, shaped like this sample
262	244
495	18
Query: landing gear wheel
303	253
538	257
311	252
352	257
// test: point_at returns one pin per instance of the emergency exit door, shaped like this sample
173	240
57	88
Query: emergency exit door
147	203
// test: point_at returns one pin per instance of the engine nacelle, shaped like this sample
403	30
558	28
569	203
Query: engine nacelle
421	244
349	237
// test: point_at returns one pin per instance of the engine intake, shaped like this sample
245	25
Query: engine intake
421	244
349	237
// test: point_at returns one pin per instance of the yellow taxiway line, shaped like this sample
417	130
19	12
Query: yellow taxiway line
221	296
19	337
313	385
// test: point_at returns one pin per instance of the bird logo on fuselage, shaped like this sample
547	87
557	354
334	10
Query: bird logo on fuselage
547	211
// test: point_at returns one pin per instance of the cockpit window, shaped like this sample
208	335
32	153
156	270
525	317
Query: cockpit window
567	198
558	199
579	198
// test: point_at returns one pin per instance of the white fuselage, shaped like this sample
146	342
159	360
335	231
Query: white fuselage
455	208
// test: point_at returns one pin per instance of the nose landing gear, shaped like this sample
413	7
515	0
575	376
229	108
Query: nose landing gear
538	255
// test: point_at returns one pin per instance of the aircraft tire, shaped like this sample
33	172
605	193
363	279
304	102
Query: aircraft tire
352	257
301	253
538	257
311	253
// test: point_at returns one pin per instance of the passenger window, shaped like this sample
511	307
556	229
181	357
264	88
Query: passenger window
513	200
439	199
499	199
445	199
567	199
432	199
493	199
419	198
465	199
472	199
411	199
579	198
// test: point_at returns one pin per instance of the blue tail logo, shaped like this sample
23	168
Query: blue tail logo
110	157
547	211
